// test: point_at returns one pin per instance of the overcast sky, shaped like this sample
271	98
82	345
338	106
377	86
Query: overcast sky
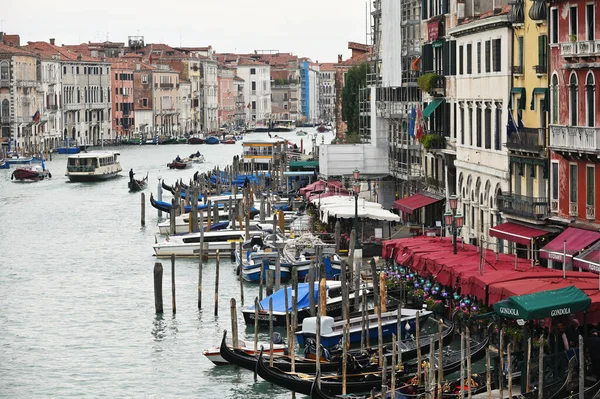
318	29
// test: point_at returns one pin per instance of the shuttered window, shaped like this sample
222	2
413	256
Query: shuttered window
496	52
488	61
542	51
469	58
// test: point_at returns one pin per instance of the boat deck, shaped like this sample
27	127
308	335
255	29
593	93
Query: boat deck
495	394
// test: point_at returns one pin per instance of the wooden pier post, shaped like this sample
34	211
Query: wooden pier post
508	355
399	331
581	368
311	288
269	282
217	283
541	370
318	339
462	364
173	302
278	267
382	292
271	332
200	260
261	277
469	393
383	377
143	215
363	324
234	323
440	357
241	276
528	365
172	221
294	297
337	235
379	335
393	375
488	374
344	358
158	277
344	281
501	374
288	332
418	341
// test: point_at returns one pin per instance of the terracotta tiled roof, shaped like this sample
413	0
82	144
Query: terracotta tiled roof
238	79
47	50
250	61
23	50
327	66
359	46
279	74
354	61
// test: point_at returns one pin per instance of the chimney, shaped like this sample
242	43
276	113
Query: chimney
339	58
1	37
52	41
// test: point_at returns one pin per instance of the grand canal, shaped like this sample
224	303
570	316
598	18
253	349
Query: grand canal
77	315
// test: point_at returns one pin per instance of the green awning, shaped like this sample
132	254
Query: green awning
541	91
431	107
304	165
522	93
544	304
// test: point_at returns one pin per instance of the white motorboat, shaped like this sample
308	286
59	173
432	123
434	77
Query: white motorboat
182	222
188	245
93	166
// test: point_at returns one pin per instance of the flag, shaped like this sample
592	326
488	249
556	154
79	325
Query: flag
415	63
511	127
411	122
36	117
249	105
420	122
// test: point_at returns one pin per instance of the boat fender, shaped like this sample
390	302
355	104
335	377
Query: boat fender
12	177
237	270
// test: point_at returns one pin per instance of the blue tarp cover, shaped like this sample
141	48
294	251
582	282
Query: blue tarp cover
279	298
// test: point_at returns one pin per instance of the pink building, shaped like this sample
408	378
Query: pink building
123	121
226	95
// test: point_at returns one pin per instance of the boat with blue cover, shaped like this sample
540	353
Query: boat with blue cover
334	303
212	140
331	330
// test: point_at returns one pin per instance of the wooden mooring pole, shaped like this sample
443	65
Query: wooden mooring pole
234	323
143	215
158	277
173	301
217	284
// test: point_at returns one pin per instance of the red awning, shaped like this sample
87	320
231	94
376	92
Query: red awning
414	202
514	232
577	240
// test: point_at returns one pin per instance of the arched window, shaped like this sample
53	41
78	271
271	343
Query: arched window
589	99
573	100
5	110
4	70
554	88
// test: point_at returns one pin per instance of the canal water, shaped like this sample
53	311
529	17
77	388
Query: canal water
76	290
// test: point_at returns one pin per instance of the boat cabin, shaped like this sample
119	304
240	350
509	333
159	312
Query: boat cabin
94	165
263	152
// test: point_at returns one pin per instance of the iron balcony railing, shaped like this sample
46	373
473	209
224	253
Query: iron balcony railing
527	139
521	205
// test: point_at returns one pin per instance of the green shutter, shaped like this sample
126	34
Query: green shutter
521	61
542	49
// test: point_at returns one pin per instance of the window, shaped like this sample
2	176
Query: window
488	127
462	125
520	43
469	58
573	183
573	21
589	187
589	22
4	71
488	61
496	52
5	113
573	89
554	25
460	60
478	124
252	71
555	181
144	78
479	57
498	127
542	53
253	105
470	126
589	94
253	86
554	89
145	102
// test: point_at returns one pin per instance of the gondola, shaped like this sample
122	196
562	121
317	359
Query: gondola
138	185
591	392
359	378
244	360
283	363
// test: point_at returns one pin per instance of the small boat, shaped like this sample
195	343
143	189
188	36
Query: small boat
31	173
195	140
189	244
212	140
18	160
93	166
197	157
331	330
180	164
214	354
138	185
68	150
4	164
301	133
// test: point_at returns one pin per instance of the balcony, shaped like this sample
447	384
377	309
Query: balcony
527	139
4	83
517	70
541	69
52	107
26	83
575	138
166	85
520	205
584	48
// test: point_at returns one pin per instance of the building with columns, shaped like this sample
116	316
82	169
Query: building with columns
226	96
257	90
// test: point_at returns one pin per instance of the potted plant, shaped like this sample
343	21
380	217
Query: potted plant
573	37
426	82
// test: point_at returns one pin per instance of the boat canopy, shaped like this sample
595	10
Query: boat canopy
544	304
279	298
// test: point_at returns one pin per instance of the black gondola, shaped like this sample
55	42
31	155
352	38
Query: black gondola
138	185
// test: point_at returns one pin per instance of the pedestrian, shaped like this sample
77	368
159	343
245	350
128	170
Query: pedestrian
131	174
593	348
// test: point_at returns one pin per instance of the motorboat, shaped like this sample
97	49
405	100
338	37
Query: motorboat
31	173
334	303
195	140
331	331
182	222
180	163
188	245
212	140
197	157
93	166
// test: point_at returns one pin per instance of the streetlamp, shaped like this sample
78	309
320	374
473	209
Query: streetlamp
454	219
356	190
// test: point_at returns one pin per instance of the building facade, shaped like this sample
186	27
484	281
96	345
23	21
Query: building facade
143	86
483	46
226	96
240	102
122	99
209	89
574	75
165	92
257	90
327	92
